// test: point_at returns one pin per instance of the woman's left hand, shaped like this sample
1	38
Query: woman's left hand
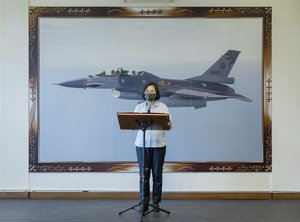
170	124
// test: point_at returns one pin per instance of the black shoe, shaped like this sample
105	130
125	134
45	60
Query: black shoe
156	205
144	208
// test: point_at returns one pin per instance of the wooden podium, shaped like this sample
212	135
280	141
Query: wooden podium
136	121
144	121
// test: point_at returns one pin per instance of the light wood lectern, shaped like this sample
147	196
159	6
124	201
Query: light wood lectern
144	121
136	121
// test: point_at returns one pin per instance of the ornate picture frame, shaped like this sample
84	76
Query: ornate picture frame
35	13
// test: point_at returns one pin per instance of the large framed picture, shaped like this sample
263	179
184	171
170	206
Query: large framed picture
212	66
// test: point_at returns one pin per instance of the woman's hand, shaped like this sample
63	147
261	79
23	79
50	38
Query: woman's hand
170	124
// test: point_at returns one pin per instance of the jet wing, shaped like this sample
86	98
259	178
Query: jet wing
196	94
199	94
176	100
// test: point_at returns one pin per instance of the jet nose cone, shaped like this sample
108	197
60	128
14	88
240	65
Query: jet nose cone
78	83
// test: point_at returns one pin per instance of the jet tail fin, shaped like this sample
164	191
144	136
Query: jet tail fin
220	70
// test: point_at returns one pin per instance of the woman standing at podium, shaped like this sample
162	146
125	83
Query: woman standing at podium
155	146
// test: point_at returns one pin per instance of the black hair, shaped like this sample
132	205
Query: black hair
157	96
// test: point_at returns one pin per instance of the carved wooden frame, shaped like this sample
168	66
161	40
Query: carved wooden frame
209	12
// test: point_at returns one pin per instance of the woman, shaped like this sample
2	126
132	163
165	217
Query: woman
155	147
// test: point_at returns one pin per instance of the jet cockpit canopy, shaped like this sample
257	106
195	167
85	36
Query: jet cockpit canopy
113	72
118	72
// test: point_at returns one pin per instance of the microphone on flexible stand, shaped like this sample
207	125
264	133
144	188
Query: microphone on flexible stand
148	107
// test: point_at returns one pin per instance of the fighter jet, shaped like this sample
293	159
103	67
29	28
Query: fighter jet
192	92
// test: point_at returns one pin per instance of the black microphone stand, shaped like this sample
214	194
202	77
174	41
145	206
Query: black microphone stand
142	203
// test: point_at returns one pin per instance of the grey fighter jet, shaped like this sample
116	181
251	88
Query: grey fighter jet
192	92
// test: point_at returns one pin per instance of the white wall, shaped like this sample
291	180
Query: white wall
286	94
14	99
1	49
14	110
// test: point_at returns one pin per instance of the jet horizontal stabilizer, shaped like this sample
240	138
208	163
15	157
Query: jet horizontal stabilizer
243	98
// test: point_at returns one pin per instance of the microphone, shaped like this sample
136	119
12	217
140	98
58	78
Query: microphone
148	106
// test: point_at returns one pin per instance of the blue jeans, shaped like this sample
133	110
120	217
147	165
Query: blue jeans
154	161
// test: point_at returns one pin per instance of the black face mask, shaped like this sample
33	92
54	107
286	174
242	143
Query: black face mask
149	96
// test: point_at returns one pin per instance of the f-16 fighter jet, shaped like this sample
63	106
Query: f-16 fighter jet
192	92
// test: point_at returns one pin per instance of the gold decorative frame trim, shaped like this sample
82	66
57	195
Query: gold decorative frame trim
167	12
